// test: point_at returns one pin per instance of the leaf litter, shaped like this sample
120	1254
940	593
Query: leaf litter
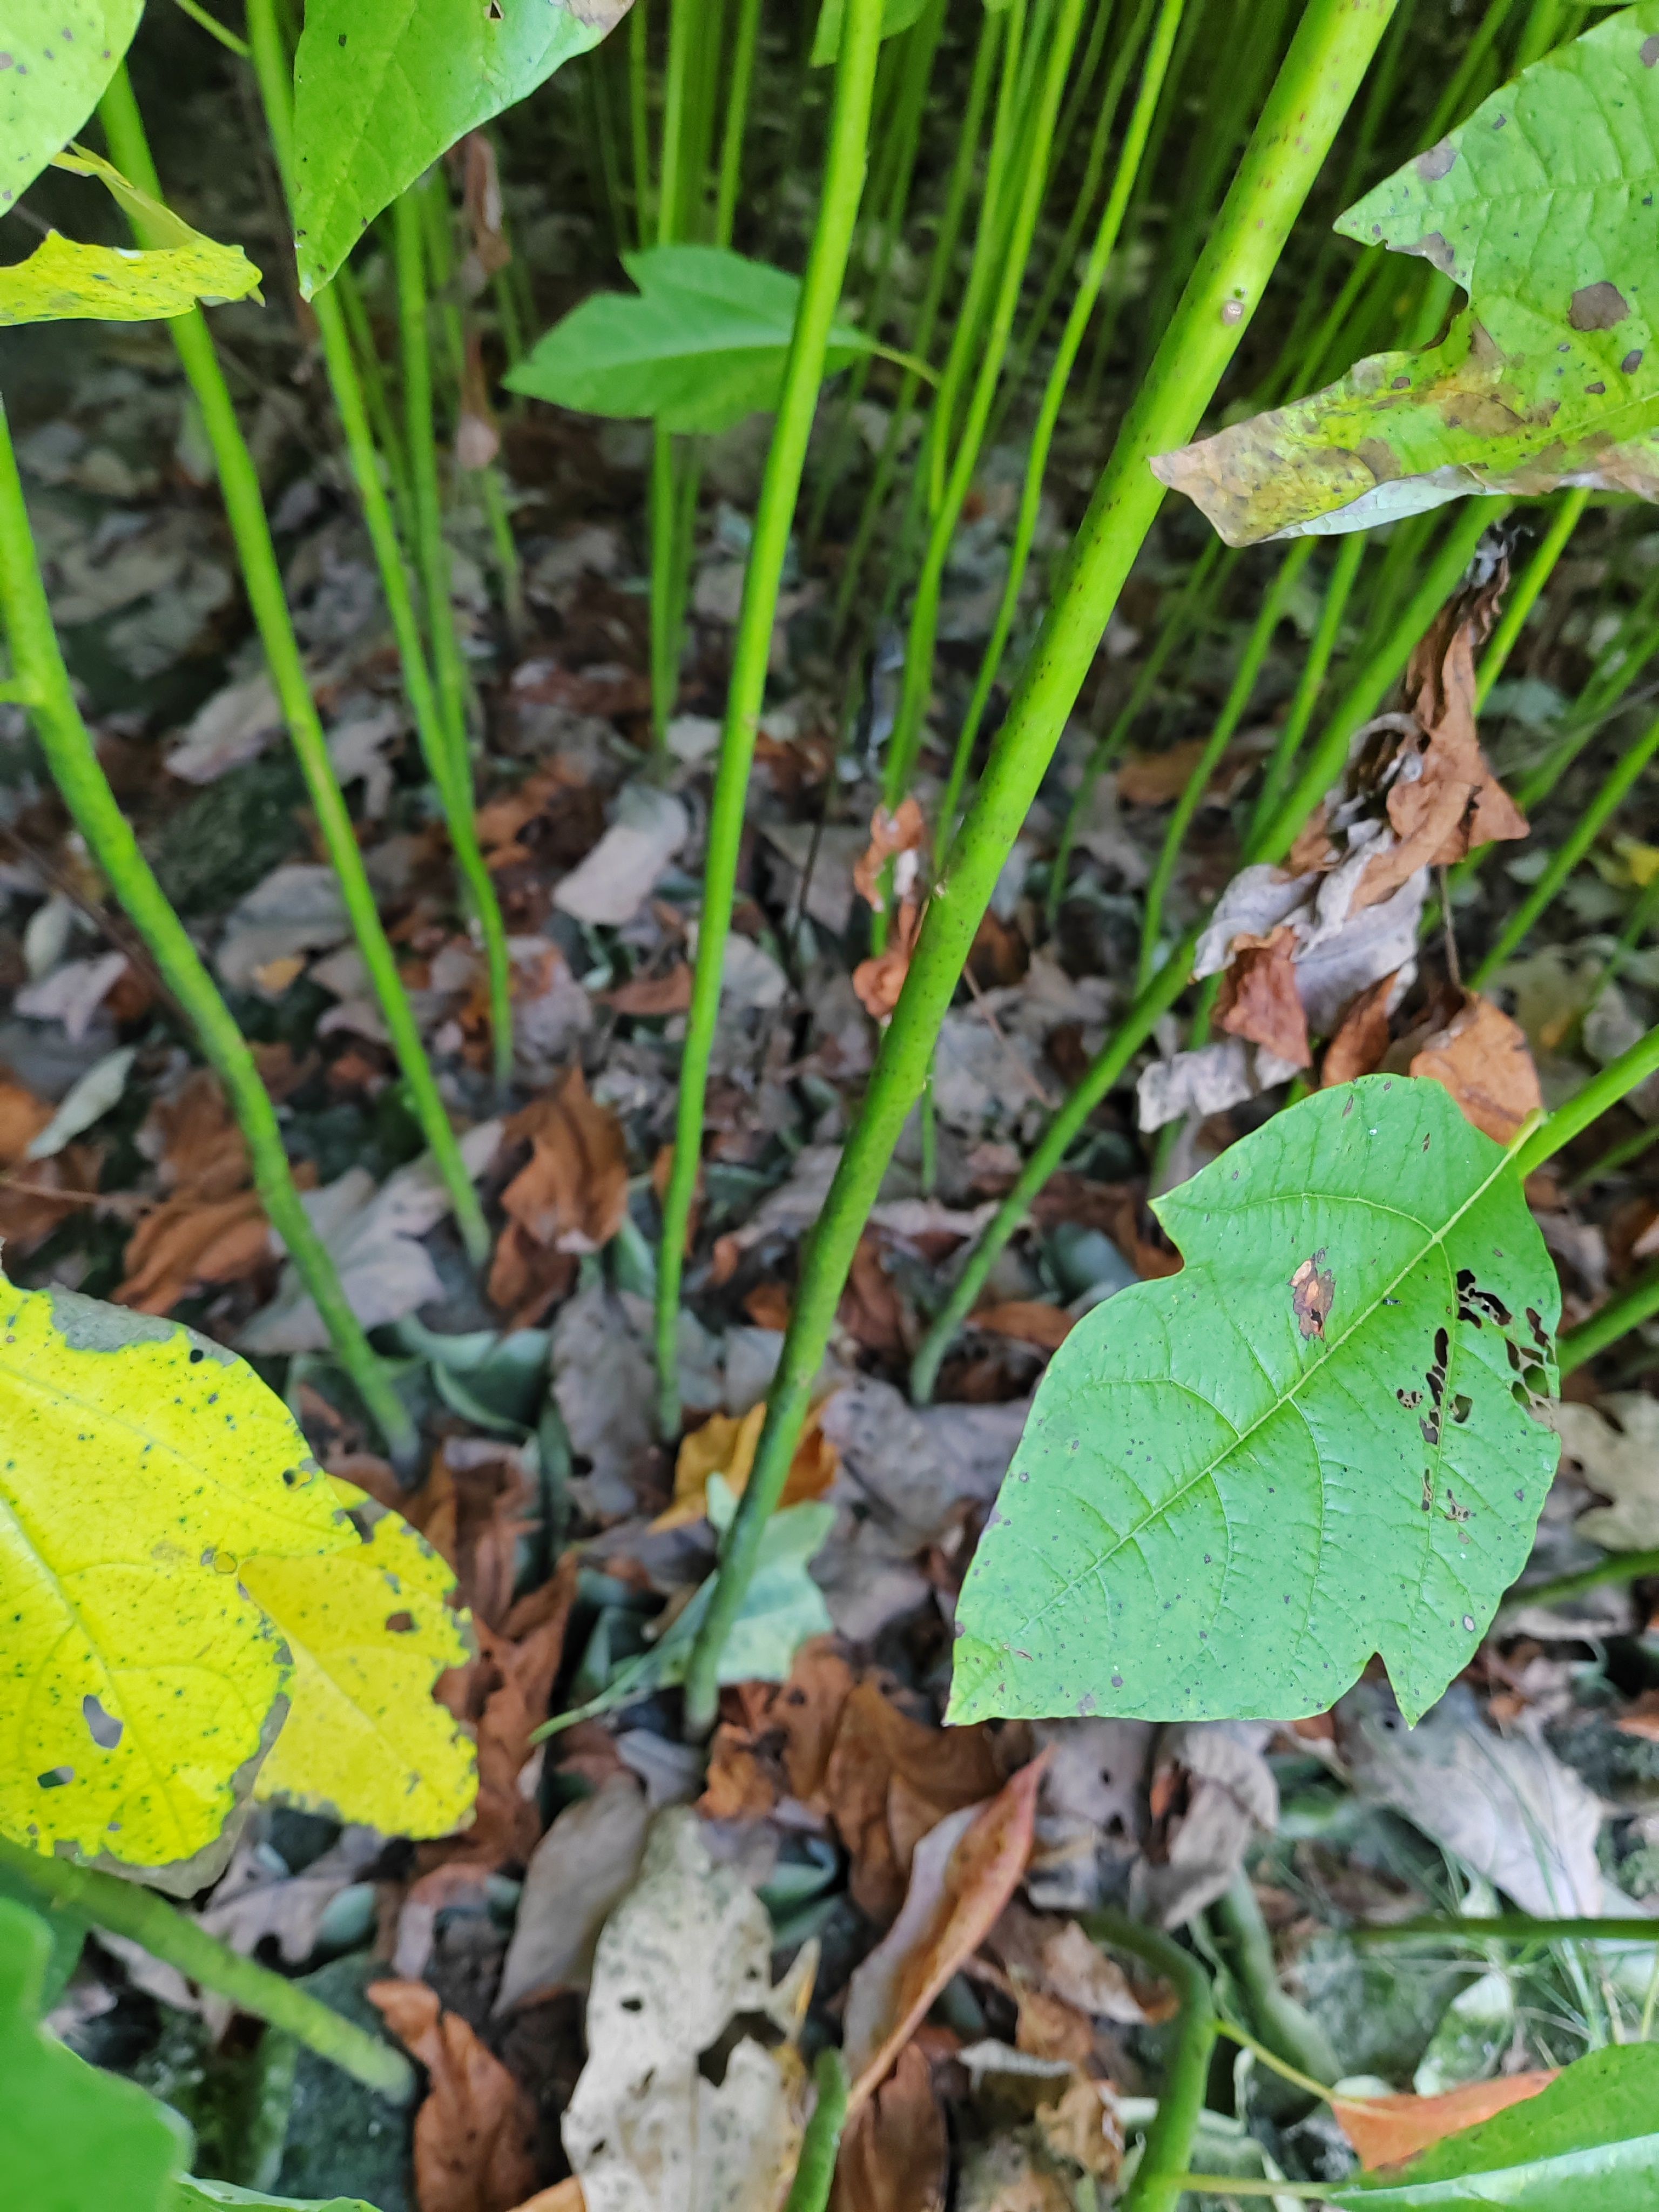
948	1874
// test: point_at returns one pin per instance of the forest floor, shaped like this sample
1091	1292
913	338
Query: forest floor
570	1525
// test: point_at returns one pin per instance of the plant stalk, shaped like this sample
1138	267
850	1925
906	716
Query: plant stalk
454	793
1322	70
1157	2187
821	287
815	2174
245	510
37	663
126	1908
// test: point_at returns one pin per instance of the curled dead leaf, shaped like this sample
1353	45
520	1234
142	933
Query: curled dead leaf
568	1198
898	838
1385	2130
895	2155
1483	1060
1259	1000
879	981
474	2130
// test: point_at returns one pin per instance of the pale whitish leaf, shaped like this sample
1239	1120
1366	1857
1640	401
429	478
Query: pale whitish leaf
1239	1483
382	88
701	344
61	54
1540	207
87	1102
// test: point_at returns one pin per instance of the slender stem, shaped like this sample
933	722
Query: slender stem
1638	1302
1232	713
826	269
1271	2058
815	2174
1617	1567
739	83
1524	594
1156	2185
639	121
454	790
1514	1928
37	662
1327	59
992	351
1299	2044
388	435
1585	830
214	28
1311	682
126	1908
239	482
1043	436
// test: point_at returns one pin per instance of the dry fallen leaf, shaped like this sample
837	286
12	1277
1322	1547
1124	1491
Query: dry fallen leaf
1028	1321
895	2155
724	1445
1259	999
1385	2130
962	1875
683	1954
879	981
209	1228
587	1860
1615	1442
1483	1059
504	1693
1212	1792
474	2130
893	837
568	1198
1154	778
1361	1038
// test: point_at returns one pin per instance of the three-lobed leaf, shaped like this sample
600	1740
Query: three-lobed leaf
383	88
60	55
1591	2139
1312	1445
1541	207
701	344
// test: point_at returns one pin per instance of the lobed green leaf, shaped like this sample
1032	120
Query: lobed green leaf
1314	1443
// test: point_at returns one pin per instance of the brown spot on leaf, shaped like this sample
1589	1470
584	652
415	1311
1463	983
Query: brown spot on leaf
1597	306
1313	1293
1632	361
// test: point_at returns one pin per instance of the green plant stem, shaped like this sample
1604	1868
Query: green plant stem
1054	394
821	287
454	791
1329	56
1288	2030
239	483
1156	2185
1617	1567
1311	682
1586	828
639	122
1372	680
1220	737
1514	1928
959	191
388	436
1604	1091
1272	2060
739	83
214	28
1524	594
127	1908
992	351
1638	1302
38	663
815	2174
420	437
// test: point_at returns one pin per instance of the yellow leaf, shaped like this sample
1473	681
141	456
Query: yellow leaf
62	281
370	1633
726	1444
138	1683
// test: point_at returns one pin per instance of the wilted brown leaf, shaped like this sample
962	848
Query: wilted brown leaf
879	981
31	1206
504	1693
1361	1035
568	1198
724	1445
891	837
895	2155
1154	778
1384	2129
1028	1321
668	993
1259	999
474	2130
963	1873
209	1228
1483	1059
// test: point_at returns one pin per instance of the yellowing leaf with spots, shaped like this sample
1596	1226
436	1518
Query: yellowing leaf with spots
140	1465
62	281
370	1633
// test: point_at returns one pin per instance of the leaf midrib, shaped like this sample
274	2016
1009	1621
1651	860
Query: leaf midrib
1242	1437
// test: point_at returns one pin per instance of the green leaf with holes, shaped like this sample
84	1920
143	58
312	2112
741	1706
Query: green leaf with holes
1313	1443
59	56
1543	208
701	344
383	88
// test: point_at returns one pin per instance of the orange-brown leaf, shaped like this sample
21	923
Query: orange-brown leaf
1259	998
474	2130
1483	1059
568	1198
1028	1321
895	2155
1384	2129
